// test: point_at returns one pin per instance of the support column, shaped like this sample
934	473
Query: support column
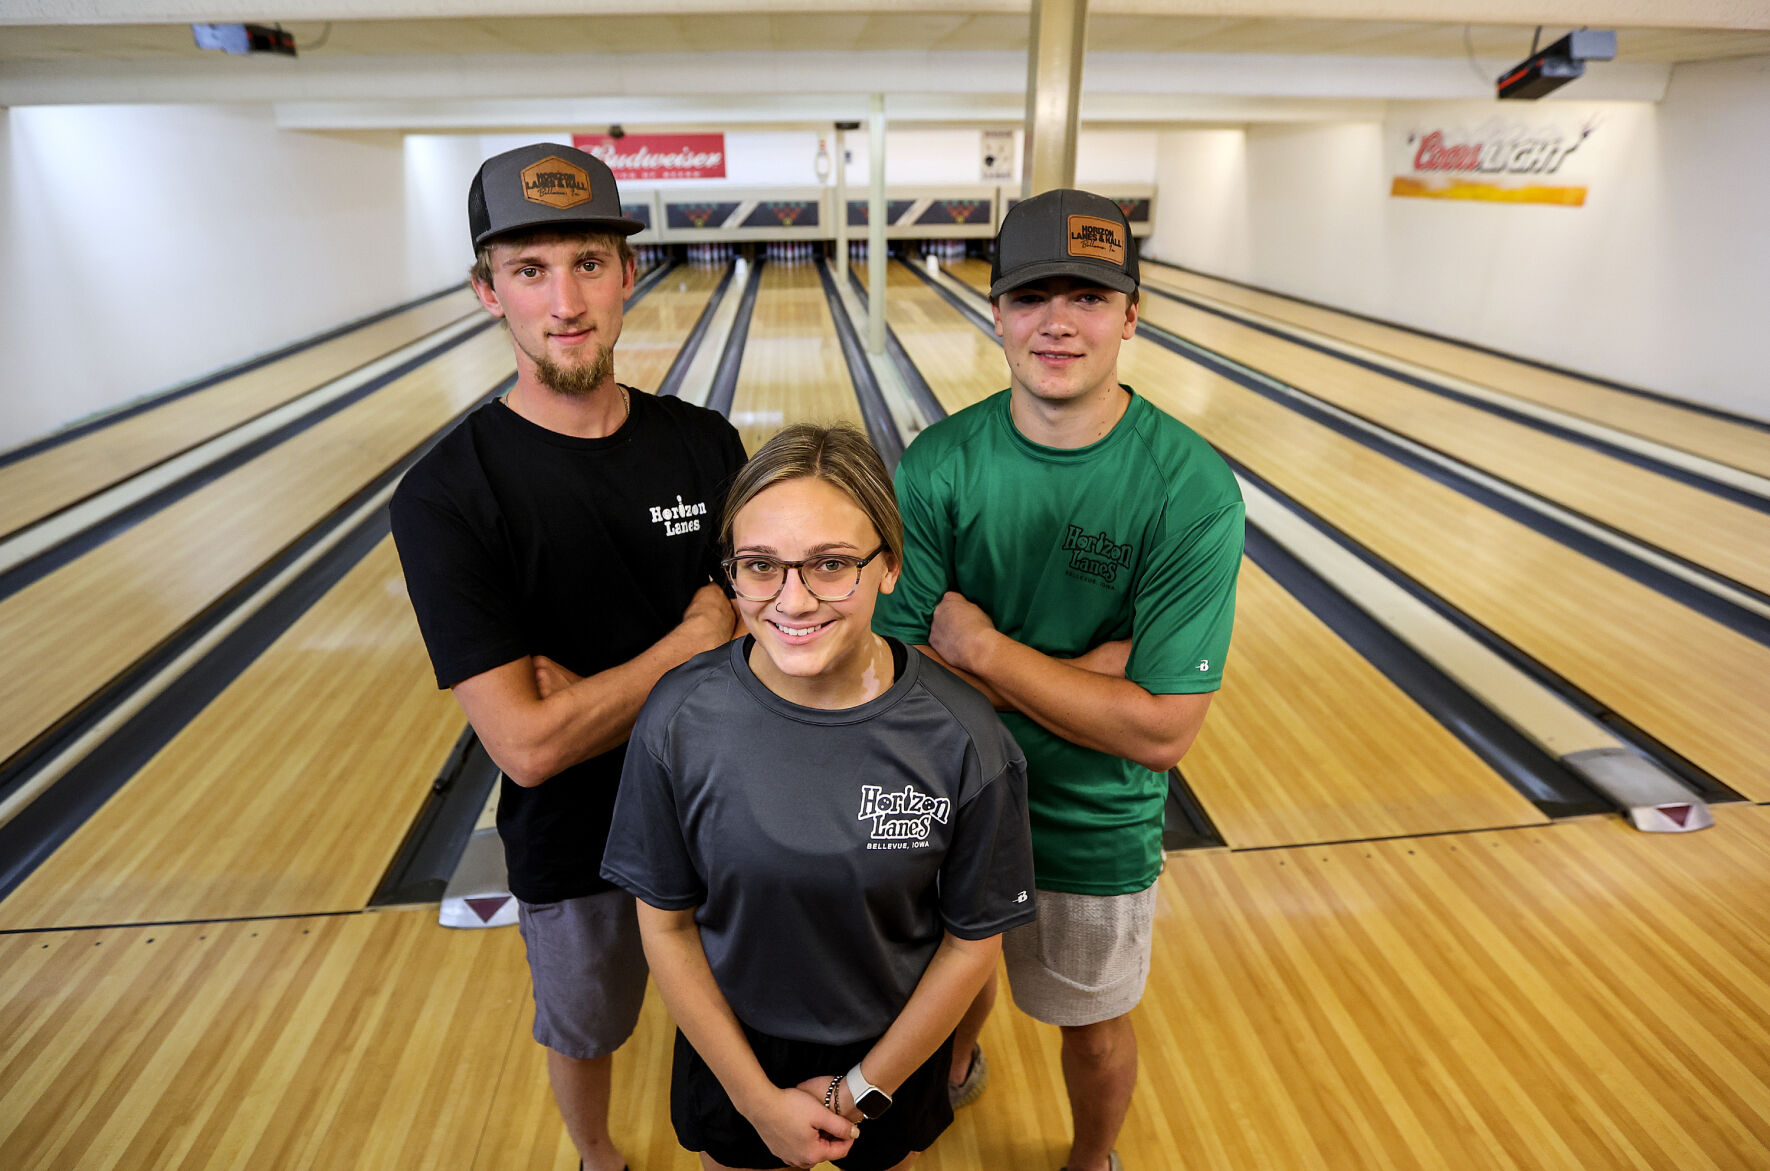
842	129
877	217
1053	93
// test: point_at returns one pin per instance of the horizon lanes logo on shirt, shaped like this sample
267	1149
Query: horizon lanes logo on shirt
1096	556
901	820
679	518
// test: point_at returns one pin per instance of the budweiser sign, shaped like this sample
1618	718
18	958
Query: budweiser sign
658	156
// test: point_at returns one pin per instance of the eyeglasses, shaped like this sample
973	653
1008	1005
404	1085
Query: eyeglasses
828	577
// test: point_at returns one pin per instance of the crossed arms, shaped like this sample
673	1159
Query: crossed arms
1086	700
536	718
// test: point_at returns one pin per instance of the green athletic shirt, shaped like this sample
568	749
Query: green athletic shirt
1137	535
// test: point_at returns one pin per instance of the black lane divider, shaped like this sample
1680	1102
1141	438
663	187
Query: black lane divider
41	826
178	923
1656	396
973	315
427	858
650	281
1602	446
1711	788
873	411
920	392
177	392
1185	824
725	376
84	541
672	383
1542	779
1737	619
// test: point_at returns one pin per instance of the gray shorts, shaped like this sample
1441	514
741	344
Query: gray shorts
1085	959
588	971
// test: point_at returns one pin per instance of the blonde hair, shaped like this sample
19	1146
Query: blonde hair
481	270
841	456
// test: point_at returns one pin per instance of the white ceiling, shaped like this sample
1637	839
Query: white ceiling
695	61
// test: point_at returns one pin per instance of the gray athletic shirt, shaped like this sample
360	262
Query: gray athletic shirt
826	851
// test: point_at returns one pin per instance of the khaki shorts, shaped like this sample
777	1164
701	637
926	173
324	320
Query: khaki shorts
1085	959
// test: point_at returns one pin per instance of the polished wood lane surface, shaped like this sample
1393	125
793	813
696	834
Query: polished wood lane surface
1709	530
654	330
1307	741
366	1040
1736	444
73	630
961	365
1687	680
289	794
793	369
41	484
1575	997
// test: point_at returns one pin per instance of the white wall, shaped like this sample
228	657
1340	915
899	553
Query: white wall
148	245
1661	280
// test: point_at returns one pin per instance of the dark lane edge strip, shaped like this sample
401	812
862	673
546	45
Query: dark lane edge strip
1603	447
920	392
672	383
80	543
1741	621
1543	780
160	398
1705	784
1669	400
725	376
427	858
41	826
880	426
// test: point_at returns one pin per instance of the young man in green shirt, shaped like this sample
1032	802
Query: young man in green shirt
1073	551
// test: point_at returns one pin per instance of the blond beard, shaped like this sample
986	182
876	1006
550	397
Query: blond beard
576	381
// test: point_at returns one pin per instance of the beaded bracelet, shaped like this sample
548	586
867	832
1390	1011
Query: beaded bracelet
830	1094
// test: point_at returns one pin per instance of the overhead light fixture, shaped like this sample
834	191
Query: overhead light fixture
1547	71
244	38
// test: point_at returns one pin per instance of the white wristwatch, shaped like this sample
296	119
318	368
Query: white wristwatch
869	1099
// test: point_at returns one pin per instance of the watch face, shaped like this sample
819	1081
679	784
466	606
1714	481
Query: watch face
873	1103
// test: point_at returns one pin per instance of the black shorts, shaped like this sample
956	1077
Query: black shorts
705	1119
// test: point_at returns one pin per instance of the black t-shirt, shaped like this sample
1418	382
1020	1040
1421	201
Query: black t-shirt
517	540
824	852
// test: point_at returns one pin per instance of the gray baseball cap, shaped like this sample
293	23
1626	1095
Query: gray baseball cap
1064	232
544	185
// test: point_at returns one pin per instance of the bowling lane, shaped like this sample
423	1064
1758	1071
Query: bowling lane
1726	441
1684	679
292	791
1307	742
38	485
793	370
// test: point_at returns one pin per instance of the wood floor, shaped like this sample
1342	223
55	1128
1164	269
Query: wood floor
1399	962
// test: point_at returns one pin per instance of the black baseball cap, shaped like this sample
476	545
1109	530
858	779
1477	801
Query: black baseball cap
544	185
1064	232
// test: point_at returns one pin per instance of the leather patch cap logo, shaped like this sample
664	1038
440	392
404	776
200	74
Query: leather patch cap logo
1096	239
556	183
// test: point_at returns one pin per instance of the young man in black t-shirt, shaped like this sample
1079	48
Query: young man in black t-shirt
560	553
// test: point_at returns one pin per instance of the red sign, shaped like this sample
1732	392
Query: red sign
658	156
